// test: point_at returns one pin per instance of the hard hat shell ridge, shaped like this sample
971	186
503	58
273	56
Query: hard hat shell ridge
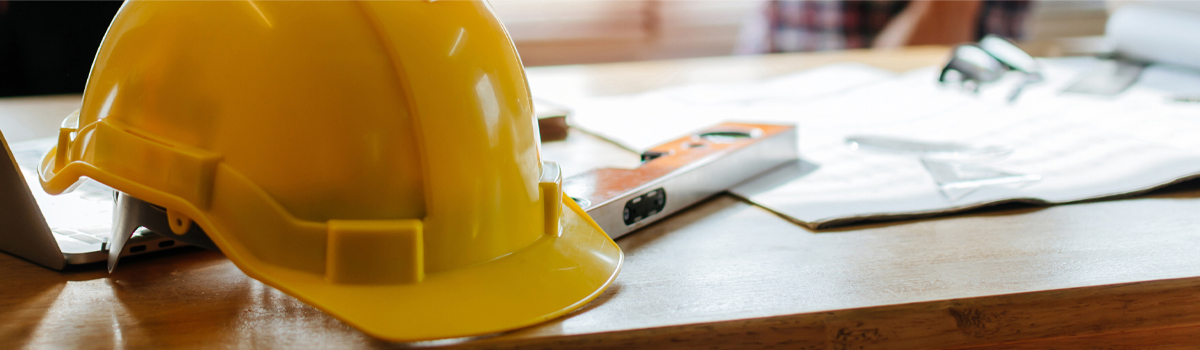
377	160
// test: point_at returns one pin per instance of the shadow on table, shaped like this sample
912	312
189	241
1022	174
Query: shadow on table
999	209
182	297
549	328
1186	189
208	300
707	210
43	307
23	309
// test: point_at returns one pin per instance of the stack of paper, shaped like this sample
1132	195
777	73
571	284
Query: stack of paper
1064	147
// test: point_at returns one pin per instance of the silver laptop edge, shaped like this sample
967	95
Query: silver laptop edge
56	231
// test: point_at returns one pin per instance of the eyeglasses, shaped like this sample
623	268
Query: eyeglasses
972	65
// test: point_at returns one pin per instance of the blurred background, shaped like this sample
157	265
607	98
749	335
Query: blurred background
46	47
592	31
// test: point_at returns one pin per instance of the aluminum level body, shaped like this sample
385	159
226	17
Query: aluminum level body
687	171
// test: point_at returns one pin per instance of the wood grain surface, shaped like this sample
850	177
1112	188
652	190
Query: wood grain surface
724	274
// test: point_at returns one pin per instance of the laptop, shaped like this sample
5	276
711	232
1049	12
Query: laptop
73	228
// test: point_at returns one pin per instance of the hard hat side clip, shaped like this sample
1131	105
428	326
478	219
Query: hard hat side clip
550	186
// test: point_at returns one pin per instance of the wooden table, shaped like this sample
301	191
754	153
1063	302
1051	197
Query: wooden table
724	274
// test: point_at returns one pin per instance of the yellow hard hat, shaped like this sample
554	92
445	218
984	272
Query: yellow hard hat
377	160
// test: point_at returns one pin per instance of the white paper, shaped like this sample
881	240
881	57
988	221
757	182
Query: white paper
639	122
1067	147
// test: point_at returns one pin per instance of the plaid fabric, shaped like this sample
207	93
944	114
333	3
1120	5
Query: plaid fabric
1003	18
818	25
796	25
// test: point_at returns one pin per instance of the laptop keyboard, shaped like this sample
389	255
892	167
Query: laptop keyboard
75	214
88	237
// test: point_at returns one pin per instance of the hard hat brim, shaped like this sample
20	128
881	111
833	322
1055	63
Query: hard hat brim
554	275
551	277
